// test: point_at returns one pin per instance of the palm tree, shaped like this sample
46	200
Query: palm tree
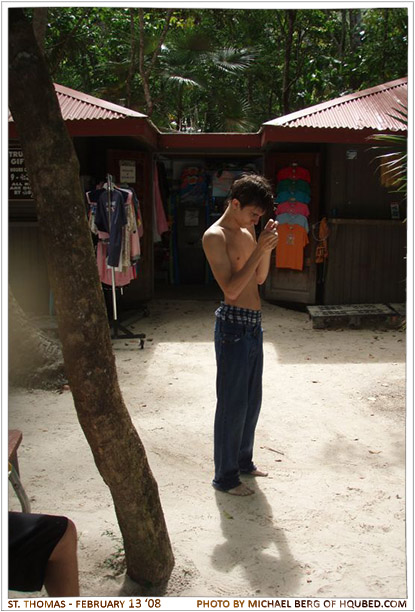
199	77
394	155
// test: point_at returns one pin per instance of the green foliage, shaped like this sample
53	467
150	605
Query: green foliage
393	158
221	69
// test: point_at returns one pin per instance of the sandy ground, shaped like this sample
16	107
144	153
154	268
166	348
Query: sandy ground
329	521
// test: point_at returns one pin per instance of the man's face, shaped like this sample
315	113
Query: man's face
249	215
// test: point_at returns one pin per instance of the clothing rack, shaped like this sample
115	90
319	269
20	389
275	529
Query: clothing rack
116	326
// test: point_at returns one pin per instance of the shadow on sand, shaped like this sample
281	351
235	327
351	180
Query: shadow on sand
254	542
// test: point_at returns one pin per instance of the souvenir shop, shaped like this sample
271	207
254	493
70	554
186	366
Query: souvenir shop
195	190
116	183
149	197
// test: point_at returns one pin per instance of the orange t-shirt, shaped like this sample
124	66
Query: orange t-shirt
290	248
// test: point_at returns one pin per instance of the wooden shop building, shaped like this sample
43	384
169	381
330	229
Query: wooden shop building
181	181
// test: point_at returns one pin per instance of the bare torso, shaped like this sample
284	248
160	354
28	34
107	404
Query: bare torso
240	244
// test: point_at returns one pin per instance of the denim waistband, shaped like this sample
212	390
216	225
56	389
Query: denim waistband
235	314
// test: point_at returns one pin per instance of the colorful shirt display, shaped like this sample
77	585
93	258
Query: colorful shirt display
295	208
193	184
294	172
293	196
290	247
293	185
222	182
293	220
118	233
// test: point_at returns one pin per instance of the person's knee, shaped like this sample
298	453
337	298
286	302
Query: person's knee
71	530
70	535
68	542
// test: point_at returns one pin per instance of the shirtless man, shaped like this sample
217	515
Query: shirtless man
239	264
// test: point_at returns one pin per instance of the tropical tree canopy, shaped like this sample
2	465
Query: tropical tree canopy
223	69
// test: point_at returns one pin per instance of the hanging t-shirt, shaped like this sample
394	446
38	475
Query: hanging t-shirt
294	172
293	196
293	185
118	219
295	208
293	220
290	248
193	184
222	182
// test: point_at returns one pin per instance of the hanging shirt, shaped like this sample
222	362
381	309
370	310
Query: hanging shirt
294	172
160	219
293	196
290	248
293	185
193	184
295	208
122	278
322	251
222	182
116	219
293	220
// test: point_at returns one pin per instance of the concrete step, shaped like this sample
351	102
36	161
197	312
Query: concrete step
356	315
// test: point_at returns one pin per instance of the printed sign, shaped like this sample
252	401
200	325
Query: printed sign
19	186
127	171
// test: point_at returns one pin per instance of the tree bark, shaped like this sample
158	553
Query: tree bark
355	17
35	359
131	68
286	84
145	74
40	23
384	58
82	320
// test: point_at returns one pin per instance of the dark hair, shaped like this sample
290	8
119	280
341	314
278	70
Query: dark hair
253	190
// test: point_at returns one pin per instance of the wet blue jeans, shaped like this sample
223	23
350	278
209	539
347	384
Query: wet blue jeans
239	359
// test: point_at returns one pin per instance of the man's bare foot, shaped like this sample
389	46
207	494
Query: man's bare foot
242	490
258	473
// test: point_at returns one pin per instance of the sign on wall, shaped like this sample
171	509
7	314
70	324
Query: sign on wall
127	171
19	186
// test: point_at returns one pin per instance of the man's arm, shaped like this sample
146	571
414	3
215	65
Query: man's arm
233	283
263	266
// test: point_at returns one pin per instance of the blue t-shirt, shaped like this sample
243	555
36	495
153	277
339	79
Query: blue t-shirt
293	219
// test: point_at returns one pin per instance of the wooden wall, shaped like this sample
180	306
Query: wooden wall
353	187
366	262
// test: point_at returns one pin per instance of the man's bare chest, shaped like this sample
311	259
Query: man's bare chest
240	247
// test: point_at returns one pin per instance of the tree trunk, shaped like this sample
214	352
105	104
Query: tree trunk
355	17
286	84
40	23
35	359
131	68
83	327
145	74
385	13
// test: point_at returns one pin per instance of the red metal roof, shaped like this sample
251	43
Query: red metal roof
370	108
76	106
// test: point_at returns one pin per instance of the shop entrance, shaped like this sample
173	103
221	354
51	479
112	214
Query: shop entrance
195	191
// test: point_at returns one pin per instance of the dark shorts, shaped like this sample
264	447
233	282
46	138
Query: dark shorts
32	538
